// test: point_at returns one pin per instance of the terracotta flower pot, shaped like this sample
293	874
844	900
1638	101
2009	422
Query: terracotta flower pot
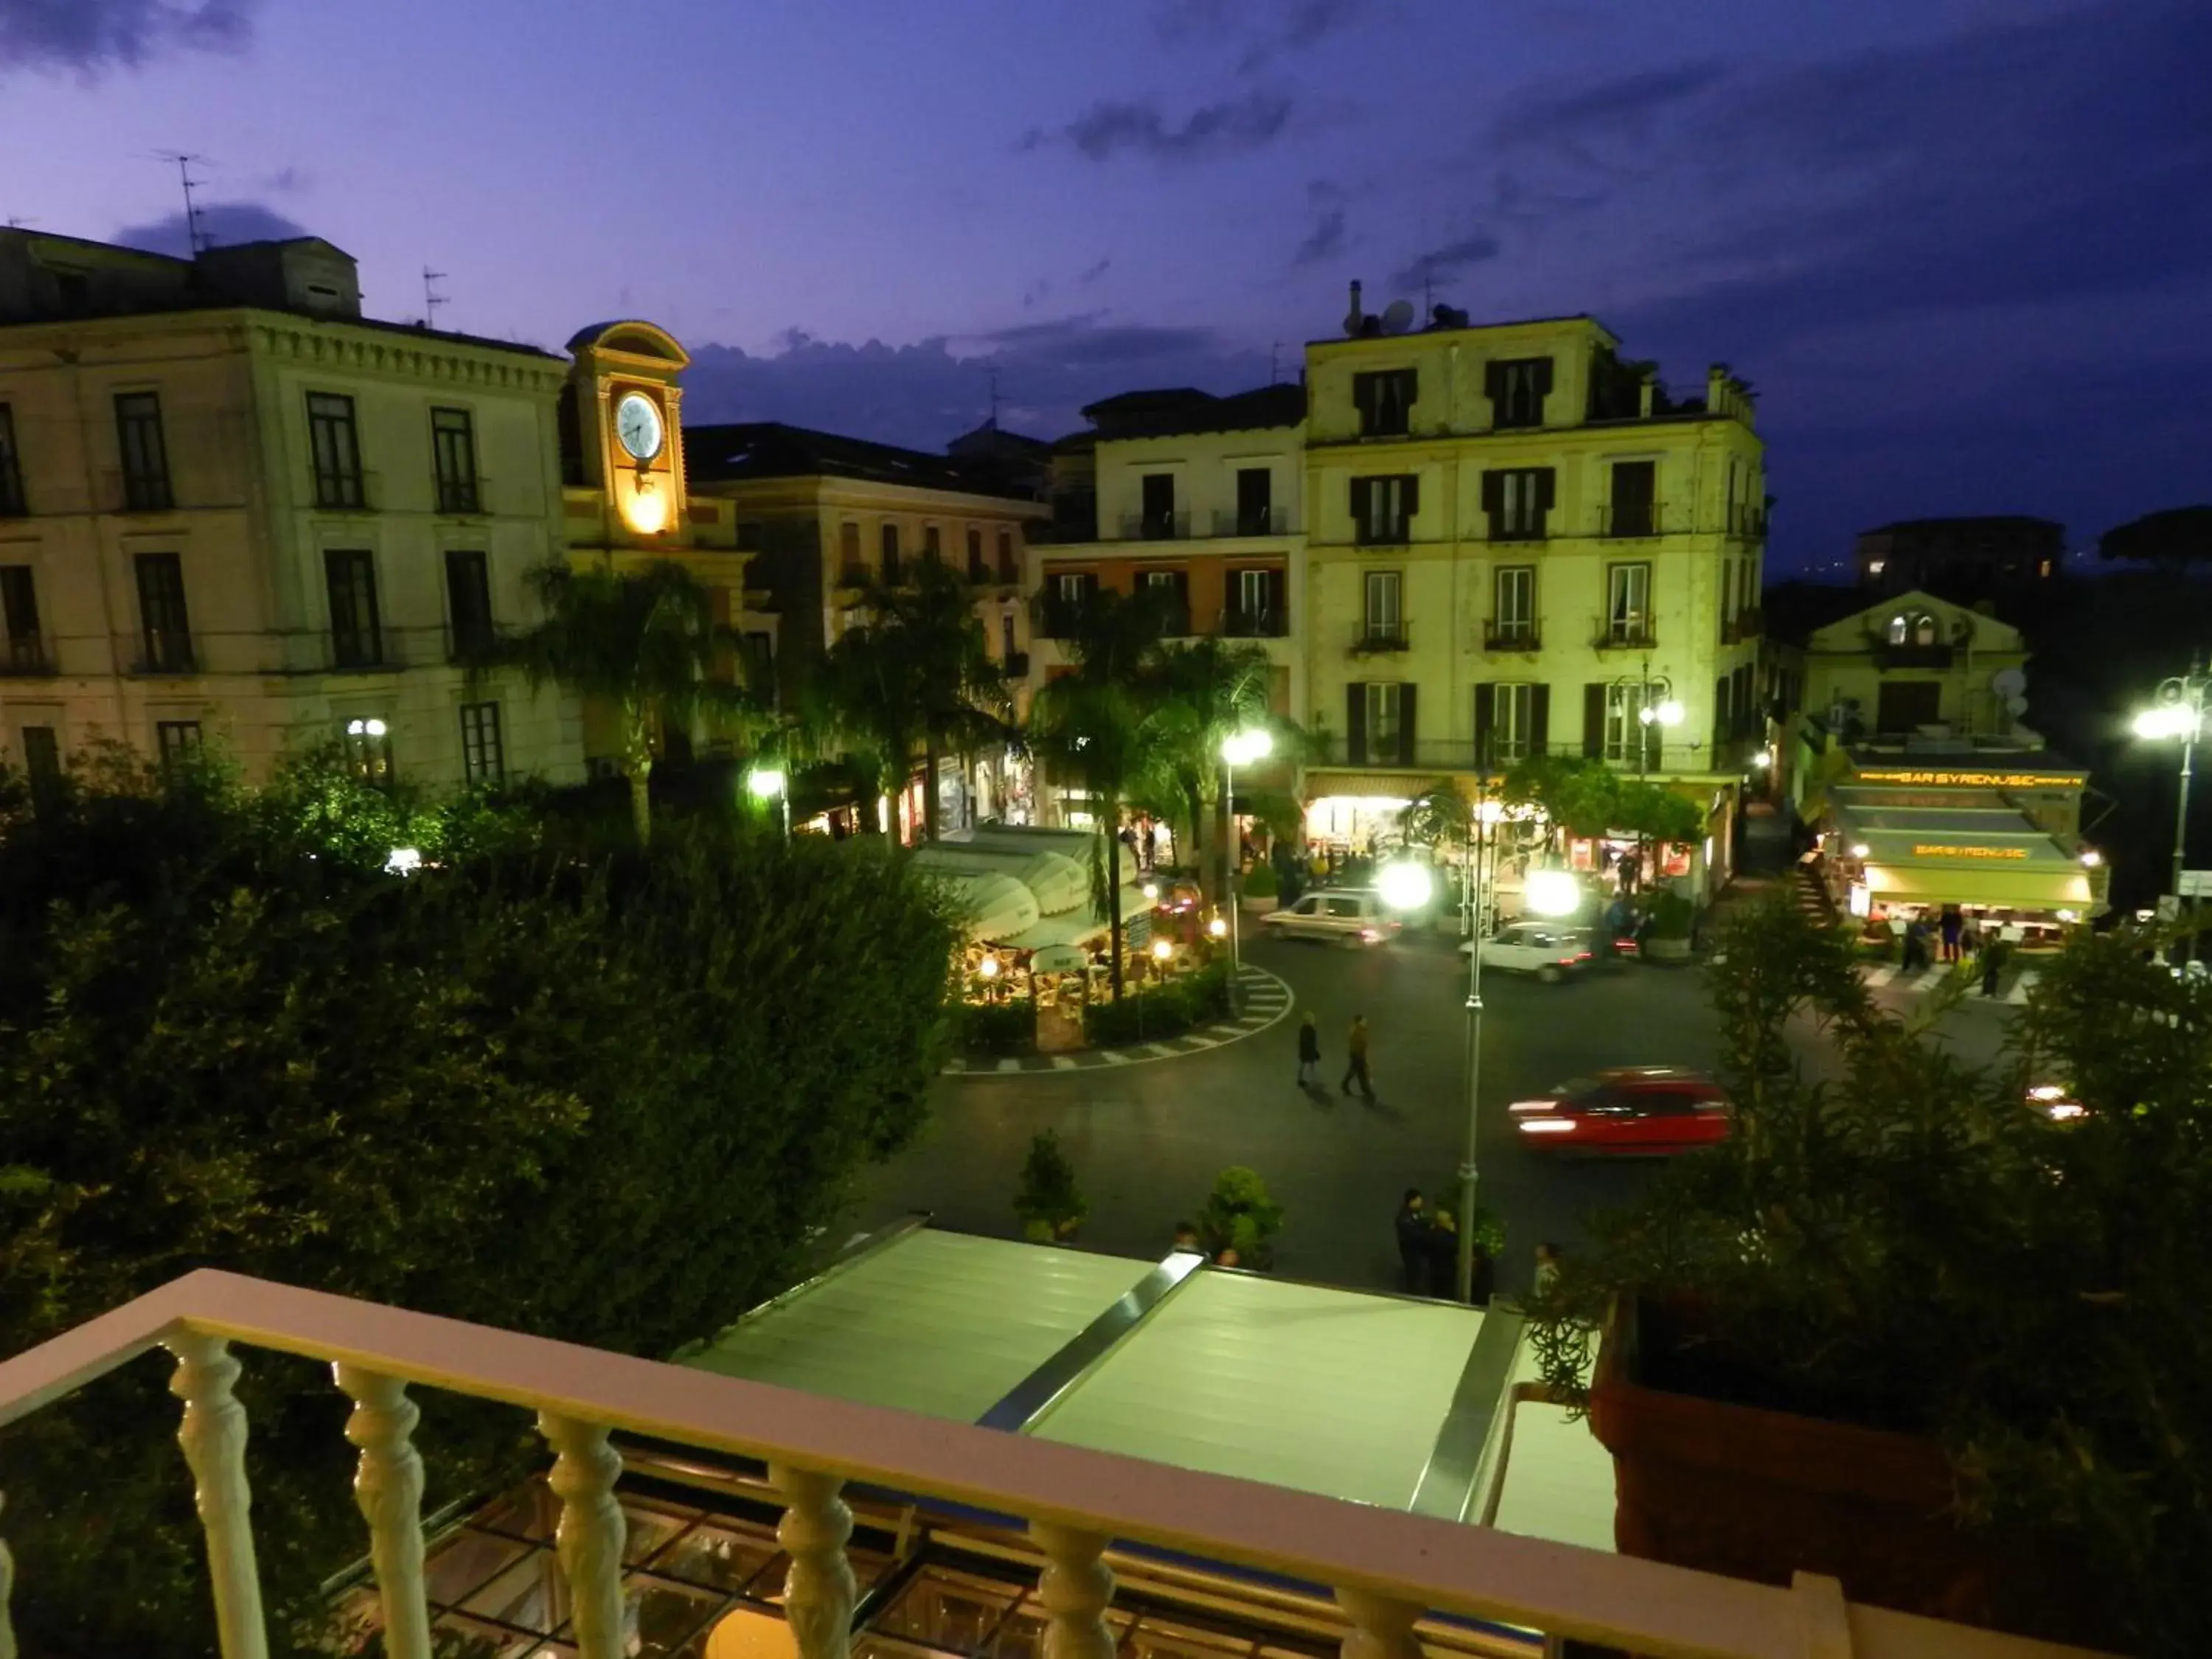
1763	1494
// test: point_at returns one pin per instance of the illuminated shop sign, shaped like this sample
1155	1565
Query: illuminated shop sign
1929	851
1977	780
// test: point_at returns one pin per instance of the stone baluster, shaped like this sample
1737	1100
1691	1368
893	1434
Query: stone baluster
1076	1588
214	1439
819	1590
7	1599
1381	1628
589	1540
387	1484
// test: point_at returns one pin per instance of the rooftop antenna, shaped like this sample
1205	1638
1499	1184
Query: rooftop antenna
1274	354
193	235
15	224
994	399
431	298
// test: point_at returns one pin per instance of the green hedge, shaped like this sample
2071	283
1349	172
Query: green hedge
1164	1011
996	1028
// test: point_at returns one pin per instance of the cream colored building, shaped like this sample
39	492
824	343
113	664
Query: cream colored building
823	517
234	509
1517	545
1913	665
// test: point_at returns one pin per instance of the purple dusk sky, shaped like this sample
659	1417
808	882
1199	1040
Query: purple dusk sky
1962	247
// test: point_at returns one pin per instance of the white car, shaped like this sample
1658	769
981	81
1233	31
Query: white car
1342	913
1542	948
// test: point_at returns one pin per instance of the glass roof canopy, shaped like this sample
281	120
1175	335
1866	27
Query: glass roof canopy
1383	1399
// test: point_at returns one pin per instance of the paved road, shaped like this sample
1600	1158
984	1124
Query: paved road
1147	1140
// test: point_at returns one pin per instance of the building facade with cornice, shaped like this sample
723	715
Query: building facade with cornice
233	511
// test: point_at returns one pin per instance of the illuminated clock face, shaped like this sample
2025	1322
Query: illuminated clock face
637	425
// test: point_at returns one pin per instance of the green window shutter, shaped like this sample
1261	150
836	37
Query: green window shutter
1594	720
1406	725
1539	721
1486	726
1355	723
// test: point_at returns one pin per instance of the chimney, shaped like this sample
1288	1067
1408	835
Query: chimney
1355	317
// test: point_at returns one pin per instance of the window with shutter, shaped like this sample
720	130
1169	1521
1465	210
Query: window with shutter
1511	718
1484	727
1518	498
1540	720
1513	612
1594	720
1634	507
1355	723
1406	723
1382	508
1722	730
1518	388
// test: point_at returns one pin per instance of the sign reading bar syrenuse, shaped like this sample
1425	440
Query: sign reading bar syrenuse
1975	780
1929	850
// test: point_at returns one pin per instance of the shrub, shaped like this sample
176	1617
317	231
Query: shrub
1260	881
1048	1202
607	1100
1185	1001
997	1028
1239	1216
1672	915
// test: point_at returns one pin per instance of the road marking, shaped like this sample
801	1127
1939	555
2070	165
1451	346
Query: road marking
1881	976
1113	1057
1010	1065
1934	977
956	1065
1253	1022
1162	1049
1062	1063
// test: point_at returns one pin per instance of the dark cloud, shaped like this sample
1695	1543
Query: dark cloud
222	224
1092	273
1112	128
1442	265
1621	103
924	394
91	35
1301	26
1284	28
289	181
1324	240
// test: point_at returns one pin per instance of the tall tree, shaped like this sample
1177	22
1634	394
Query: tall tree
644	644
1200	692
914	681
1091	723
2180	535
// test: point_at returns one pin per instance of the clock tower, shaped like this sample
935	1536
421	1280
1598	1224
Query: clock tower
621	433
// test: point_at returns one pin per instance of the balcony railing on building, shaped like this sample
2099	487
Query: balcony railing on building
1626	634
1252	521
1387	1571
1174	622
26	656
1383	532
1747	521
161	651
1267	623
460	497
473	642
1747	623
1512	635
132	491
1155	526
1912	654
353	491
1625	520
1375	634
360	650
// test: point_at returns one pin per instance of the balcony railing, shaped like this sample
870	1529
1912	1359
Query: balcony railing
1155	526
25	656
1372	636
1747	624
1255	625
1387	1570
1886	655
1746	521
360	650
157	650
1626	636
461	496
139	492
1511	636
1383	532
1621	521
1257	521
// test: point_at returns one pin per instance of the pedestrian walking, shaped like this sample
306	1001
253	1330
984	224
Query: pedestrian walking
1412	1229
1548	1270
1355	1047
1916	945
1151	843
1308	1051
1994	954
1951	926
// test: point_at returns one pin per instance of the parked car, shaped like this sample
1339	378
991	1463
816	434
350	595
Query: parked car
1335	913
1545	949
1631	1111
2055	1102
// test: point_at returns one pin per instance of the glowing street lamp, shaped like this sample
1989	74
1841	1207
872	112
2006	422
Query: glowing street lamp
1552	892
2179	712
1241	748
770	783
1162	950
1405	885
1218	928
988	967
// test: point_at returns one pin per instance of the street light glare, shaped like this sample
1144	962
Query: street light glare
2171	720
1162	950
1243	748
765	782
1405	886
1669	713
1552	892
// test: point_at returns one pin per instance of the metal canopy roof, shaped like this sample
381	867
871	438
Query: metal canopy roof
1383	1399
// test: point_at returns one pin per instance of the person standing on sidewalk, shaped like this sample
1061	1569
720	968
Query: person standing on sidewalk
1412	1229
1951	926
1355	1047
1308	1051
1994	956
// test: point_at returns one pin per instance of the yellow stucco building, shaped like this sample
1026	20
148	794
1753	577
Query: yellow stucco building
1517	544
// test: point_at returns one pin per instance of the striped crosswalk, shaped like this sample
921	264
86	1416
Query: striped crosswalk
1888	977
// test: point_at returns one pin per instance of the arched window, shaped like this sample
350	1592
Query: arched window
1923	629
1901	628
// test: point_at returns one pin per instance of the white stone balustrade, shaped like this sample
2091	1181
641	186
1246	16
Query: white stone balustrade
1387	1570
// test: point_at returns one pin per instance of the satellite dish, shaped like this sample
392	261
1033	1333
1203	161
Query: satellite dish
1397	316
2009	683
2015	705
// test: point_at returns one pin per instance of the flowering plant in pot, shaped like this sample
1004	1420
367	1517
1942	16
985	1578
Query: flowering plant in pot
1909	1327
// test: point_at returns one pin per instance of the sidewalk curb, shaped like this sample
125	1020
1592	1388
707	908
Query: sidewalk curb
1267	1000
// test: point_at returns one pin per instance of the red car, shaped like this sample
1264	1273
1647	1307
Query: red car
1631	1111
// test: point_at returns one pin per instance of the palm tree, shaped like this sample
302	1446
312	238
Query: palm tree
916	677
643	643
1201	692
1090	724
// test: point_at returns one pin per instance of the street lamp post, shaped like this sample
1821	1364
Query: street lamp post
1664	712
2180	712
1238	749
770	783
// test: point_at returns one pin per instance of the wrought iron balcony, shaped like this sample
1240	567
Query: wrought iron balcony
1260	521
1373	636
1255	625
1155	526
1626	636
1624	522
1512	636
25	656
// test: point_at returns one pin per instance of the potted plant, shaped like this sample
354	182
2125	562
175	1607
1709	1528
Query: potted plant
1906	1329
1259	889
1239	1216
1673	919
1048	1202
